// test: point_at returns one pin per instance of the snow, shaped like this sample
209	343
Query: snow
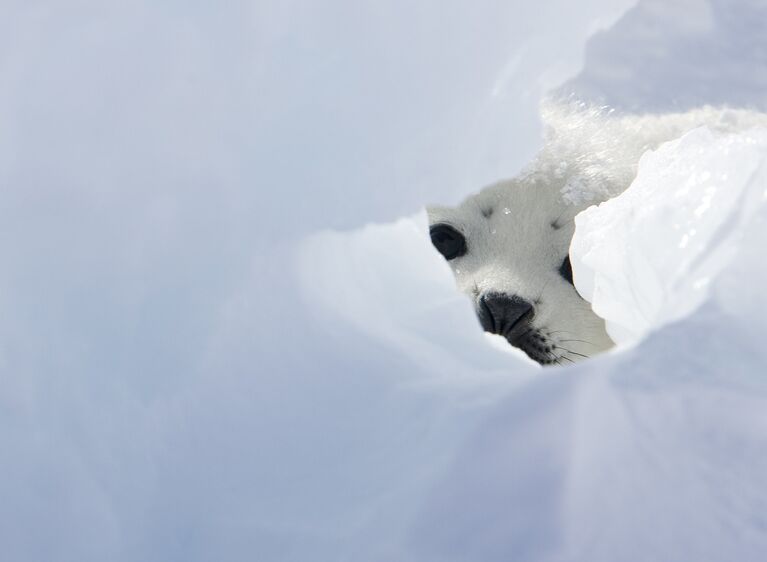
647	257
221	340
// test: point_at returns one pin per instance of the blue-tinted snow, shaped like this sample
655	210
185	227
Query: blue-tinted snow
172	387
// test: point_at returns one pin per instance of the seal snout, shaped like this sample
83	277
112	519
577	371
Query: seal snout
503	314
512	316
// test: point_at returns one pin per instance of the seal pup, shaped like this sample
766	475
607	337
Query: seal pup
508	245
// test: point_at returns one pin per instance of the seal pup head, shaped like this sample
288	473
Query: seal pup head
508	248
508	245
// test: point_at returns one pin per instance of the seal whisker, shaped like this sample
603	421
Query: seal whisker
571	352
560	332
540	294
581	341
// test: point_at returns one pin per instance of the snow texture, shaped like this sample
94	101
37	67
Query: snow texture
647	257
205	354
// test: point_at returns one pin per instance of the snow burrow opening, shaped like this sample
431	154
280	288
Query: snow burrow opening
643	252
570	251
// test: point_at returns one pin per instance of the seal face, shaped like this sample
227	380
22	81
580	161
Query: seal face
513	263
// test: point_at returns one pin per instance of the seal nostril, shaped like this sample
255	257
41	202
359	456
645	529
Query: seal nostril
500	313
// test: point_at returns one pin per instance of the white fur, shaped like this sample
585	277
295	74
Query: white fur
589	155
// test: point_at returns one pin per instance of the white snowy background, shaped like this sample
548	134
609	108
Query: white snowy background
223	332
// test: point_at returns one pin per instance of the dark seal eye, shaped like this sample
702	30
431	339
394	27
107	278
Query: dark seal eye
566	270
448	241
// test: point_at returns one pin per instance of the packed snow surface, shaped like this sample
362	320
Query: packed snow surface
220	340
648	256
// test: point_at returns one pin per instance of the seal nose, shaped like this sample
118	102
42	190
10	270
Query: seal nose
500	313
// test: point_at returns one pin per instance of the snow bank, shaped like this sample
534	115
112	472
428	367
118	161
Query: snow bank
648	256
673	56
389	283
168	389
195	366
